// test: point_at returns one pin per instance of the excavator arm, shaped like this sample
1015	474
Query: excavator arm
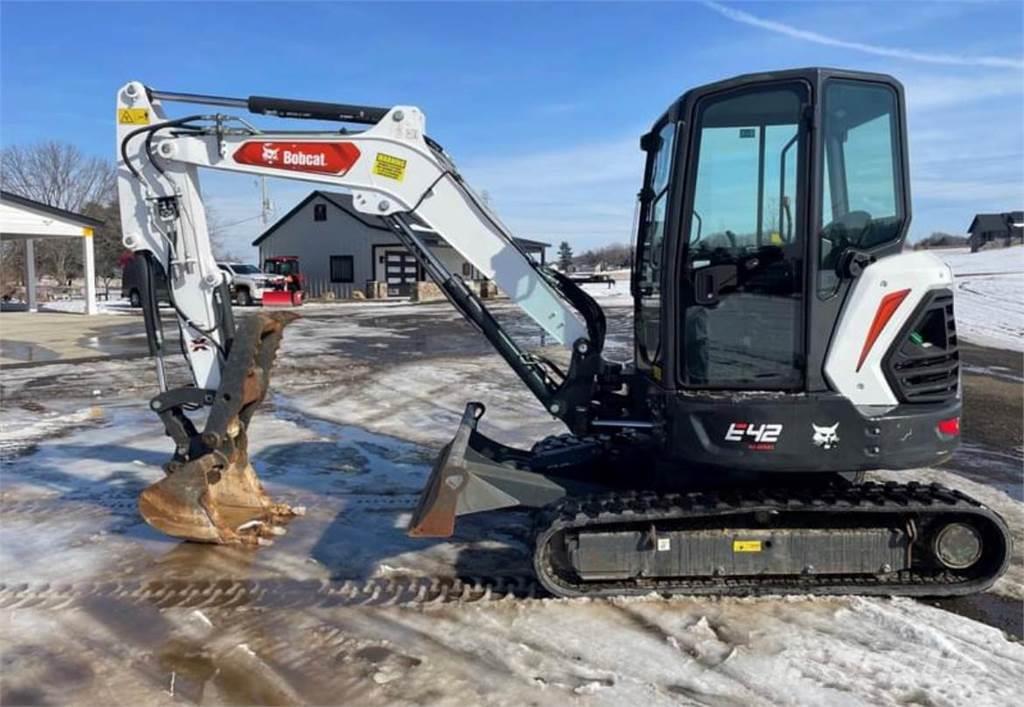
395	172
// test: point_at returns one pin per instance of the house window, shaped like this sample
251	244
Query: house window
467	270
320	212
342	268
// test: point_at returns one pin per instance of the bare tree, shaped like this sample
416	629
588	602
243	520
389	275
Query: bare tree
58	174
217	231
107	245
12	267
615	256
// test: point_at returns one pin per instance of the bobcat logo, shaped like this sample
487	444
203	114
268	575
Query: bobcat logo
270	153
825	437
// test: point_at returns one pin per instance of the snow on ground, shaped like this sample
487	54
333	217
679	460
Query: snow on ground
359	486
364	396
611	294
77	306
989	295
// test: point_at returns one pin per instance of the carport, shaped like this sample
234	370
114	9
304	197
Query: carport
28	220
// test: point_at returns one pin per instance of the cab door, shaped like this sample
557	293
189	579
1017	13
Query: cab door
743	281
650	270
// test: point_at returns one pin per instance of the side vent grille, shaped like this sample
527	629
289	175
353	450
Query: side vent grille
923	364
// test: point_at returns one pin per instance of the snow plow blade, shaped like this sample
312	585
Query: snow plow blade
473	474
212	494
282	298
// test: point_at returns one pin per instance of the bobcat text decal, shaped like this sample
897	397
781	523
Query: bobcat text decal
321	157
761	437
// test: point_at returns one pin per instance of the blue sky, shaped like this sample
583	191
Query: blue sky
540	104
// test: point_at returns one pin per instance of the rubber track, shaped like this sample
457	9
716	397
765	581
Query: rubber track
271	593
841	499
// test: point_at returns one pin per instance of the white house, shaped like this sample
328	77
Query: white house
28	220
342	250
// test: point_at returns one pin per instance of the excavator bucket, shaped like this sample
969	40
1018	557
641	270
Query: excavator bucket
213	495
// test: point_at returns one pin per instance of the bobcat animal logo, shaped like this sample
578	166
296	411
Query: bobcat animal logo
270	153
826	437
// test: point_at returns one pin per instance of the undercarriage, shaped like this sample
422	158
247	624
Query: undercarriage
817	533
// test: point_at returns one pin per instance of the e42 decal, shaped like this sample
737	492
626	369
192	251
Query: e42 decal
760	437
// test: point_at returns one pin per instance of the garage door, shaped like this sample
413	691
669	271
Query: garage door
400	271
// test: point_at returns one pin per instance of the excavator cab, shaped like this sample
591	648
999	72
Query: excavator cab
765	197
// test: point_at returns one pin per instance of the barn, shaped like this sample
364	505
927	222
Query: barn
341	250
984	228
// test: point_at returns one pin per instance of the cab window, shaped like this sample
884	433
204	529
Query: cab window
862	198
650	260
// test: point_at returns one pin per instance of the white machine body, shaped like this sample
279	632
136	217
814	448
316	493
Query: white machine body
854	362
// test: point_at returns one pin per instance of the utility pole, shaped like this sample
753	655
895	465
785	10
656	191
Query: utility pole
266	207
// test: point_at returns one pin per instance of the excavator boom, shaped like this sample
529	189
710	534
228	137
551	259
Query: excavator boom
394	172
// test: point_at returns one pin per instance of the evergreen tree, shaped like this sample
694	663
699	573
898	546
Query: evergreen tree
564	256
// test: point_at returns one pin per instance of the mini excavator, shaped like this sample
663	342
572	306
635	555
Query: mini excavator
783	344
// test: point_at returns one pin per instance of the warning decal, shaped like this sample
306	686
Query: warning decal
746	546
390	167
133	116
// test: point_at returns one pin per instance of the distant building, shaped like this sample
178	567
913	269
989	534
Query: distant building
989	227
341	250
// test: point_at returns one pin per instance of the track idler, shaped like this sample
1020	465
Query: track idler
211	492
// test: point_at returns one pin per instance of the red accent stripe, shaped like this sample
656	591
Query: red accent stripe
886	308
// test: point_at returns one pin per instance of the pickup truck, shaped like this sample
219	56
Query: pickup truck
248	282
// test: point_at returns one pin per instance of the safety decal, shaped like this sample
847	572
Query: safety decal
746	546
133	116
389	166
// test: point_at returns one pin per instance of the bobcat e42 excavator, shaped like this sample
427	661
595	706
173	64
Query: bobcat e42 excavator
784	343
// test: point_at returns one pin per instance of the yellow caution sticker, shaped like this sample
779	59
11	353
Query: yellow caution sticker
133	116
389	166
746	546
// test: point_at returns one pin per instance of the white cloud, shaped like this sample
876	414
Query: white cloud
931	92
893	52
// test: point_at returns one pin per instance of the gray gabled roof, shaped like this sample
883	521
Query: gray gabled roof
338	199
343	202
986	223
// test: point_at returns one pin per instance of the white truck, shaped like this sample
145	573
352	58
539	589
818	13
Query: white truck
247	282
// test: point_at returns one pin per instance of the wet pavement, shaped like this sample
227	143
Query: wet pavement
28	338
365	395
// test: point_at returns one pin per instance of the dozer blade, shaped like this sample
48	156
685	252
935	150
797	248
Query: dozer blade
215	496
282	298
473	474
